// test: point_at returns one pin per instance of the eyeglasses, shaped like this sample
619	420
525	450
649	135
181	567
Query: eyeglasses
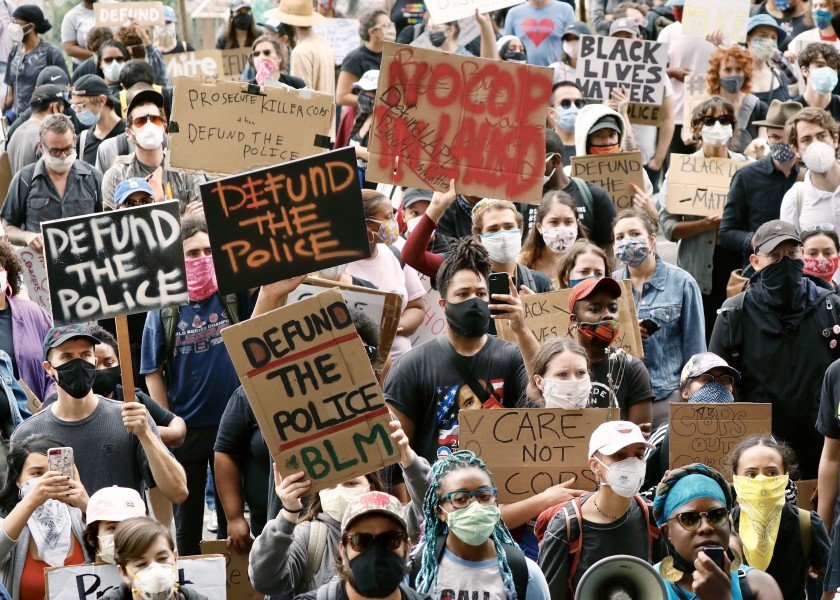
79	106
707	378
257	53
109	59
709	121
390	540
579	103
690	520
60	152
824	227
140	121
463	498
795	253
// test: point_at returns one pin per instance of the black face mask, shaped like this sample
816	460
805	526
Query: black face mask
106	381
242	21
377	572
781	284
76	377
469	318
515	57
437	38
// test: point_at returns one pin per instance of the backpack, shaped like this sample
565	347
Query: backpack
315	548
334	590
586	195
515	557
169	319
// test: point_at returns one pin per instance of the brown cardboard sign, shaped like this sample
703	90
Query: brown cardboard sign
645	114
33	403
308	379
613	172
117	14
804	491
547	316
238	585
200	63
441	116
234	62
699	186
226	127
529	450
707	433
694	92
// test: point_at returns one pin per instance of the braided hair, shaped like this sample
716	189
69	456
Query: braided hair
467	254
427	577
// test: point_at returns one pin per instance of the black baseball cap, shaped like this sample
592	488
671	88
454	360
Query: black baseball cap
143	97
52	74
58	335
47	94
577	29
91	85
773	233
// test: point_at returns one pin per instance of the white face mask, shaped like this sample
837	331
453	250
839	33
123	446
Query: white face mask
503	246
112	70
60	164
154	582
15	33
625	477
559	238
819	157
412	223
718	135
571	48
149	137
568	394
335	501
106	548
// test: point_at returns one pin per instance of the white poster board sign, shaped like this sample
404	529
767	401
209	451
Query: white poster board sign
34	276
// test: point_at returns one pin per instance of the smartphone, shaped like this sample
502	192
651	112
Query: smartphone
715	553
61	460
499	284
650	326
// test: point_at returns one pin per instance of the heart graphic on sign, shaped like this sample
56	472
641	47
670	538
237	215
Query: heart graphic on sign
537	31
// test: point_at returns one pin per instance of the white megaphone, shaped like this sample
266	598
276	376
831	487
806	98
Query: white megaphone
621	578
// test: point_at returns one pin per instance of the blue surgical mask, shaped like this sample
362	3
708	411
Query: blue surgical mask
566	118
712	393
87	117
783	5
822	18
824	80
574	282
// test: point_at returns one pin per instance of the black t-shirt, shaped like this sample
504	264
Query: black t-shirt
7	340
828	419
361	60
426	387
407	13
630	378
92	142
833	107
793	26
159	415
568	153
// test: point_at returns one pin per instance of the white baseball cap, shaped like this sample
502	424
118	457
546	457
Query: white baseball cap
612	436
368	82
115	504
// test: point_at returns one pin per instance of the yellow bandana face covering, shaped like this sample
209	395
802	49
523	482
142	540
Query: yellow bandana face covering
761	500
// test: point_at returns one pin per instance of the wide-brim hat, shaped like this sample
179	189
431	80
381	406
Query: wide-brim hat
295	12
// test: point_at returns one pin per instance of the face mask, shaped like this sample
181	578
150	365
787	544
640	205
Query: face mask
567	117
334	272
761	500
824	80
112	71
335	501
266	67
733	84
149	137
366	103
571	48
377	572
824	268
763	48
155	582
819	157
15	33
412	223
559	238
632	251
625	477
574	282
605	149
242	22
781	283
201	278
822	18
782	152
59	164
474	524
716	136
49	526
503	246
600	334
517	57
712	393
437	38
106	381
567	394
87	117
76	377
106	548
388	232
783	5
469	318
165	36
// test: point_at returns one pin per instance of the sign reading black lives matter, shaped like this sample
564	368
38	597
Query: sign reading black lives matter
121	262
638	66
290	219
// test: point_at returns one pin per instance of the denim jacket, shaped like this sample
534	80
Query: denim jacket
15	396
672	299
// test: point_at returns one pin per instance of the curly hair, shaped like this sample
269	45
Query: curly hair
367	22
549	349
568	260
810	114
467	254
709	107
742	57
812	52
10	261
534	246
490	205
789	463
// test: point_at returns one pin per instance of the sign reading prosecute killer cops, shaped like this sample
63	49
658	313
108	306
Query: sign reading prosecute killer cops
307	377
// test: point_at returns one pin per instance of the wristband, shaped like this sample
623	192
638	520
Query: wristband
294	512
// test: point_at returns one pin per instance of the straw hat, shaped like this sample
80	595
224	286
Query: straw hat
295	12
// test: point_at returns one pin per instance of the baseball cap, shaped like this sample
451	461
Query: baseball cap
773	233
587	287
605	122
169	14
115	504
47	93
626	25
412	195
91	85
767	20
612	436
142	97
131	186
55	75
374	503
368	82
703	363
577	29
237	4
58	335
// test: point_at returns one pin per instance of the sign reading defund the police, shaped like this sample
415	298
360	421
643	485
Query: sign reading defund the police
306	374
116	263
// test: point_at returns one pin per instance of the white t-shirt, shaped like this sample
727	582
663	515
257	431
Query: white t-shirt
459	578
646	134
684	51
76	24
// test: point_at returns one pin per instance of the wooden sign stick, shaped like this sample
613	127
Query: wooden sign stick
126	365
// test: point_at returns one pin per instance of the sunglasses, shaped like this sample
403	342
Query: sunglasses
690	521
709	121
579	103
390	540
824	227
140	121
257	53
108	60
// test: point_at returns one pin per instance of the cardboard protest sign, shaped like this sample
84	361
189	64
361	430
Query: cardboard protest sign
613	172
645	114
204	574
117	14
547	316
529	450
117	263
804	491
238	585
698	185
227	127
707	433
730	17
35	276
287	220
204	63
608	63
441	116
445	11
308	379
341	34
694	92
33	403
234	62
6	174
383	308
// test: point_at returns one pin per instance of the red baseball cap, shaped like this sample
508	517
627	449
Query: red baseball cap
589	286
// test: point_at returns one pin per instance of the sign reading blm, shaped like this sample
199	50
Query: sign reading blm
290	219
116	263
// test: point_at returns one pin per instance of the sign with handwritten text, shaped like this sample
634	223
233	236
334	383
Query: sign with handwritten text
699	186
446	11
529	450
236	563
202	63
227	127
308	379
699	17
707	433
614	172
35	276
121	262
441	116
295	218
117	14
234	62
341	34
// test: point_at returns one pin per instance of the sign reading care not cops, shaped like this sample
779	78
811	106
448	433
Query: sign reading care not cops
308	379
117	263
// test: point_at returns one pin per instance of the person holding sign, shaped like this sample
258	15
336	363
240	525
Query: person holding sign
267	58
